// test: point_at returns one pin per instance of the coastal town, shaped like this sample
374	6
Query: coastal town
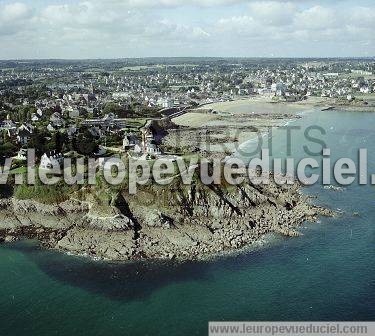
187	167
126	107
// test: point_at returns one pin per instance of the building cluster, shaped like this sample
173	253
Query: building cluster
107	105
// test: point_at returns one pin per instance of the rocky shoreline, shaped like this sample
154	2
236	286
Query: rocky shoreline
173	222
184	223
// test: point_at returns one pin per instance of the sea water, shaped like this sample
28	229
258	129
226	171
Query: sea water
326	274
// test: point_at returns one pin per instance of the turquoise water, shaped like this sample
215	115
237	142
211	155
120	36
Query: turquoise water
327	274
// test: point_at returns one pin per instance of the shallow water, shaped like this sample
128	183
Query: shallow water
327	274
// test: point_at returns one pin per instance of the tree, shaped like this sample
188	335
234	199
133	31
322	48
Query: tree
85	143
7	148
113	108
39	142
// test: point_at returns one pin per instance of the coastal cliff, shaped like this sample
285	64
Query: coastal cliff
178	221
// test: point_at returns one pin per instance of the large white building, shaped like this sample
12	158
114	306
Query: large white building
51	160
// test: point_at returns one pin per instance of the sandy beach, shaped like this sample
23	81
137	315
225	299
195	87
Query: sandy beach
220	128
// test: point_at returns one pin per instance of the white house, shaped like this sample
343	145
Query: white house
152	149
138	148
50	128
165	102
51	160
8	124
364	89
22	155
24	133
130	141
56	120
35	117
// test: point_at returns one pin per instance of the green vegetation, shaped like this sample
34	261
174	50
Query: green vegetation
43	142
85	143
19	170
7	149
113	140
116	109
133	124
134	110
6	191
46	194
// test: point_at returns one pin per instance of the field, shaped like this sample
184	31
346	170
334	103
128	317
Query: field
194	119
19	170
134	123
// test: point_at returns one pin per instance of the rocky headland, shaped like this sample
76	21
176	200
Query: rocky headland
173	222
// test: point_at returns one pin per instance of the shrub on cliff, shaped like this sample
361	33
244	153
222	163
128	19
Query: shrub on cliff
47	194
